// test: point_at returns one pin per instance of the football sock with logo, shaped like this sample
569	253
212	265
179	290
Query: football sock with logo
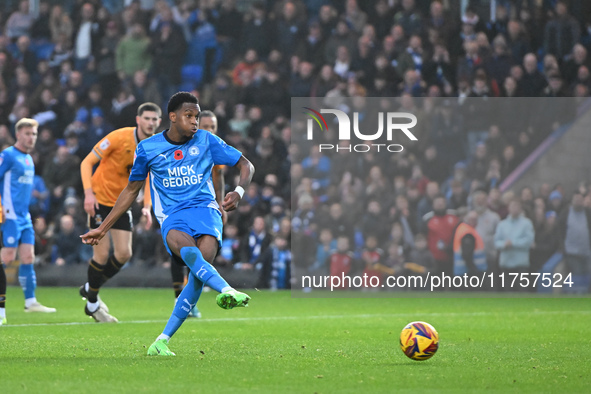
204	271
186	301
2	288
28	280
177	272
95	280
112	267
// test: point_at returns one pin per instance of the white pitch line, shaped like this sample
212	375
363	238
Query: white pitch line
320	317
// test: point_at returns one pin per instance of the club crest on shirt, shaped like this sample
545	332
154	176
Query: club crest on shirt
193	151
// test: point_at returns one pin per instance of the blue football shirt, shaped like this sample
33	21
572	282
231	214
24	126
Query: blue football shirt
17	173
180	174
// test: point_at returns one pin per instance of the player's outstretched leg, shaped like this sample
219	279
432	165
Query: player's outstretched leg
229	298
185	303
2	295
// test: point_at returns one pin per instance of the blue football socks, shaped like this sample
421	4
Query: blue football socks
202	270
186	301
27	279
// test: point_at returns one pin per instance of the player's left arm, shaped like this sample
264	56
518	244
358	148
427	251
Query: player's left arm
219	184
246	172
223	154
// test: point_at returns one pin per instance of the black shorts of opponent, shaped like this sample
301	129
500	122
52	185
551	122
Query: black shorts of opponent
124	222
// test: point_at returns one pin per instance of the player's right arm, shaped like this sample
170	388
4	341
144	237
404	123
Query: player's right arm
90	202
126	198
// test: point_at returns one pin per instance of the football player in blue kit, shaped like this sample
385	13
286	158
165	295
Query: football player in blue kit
17	172
179	161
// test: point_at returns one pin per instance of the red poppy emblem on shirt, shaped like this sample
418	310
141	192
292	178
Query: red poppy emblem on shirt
178	154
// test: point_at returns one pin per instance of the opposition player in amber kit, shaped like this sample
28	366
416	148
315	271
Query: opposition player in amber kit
114	156
16	177
179	161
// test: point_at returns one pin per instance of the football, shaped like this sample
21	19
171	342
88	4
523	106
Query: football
419	340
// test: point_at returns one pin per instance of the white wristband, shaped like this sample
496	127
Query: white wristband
239	190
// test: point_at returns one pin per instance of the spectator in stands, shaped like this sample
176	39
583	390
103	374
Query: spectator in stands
276	215
409	18
326	246
478	165
87	33
43	240
517	41
62	176
514	237
327	17
230	251
145	89
372	258
412	57
440	227
555	201
341	262
275	266
574	228
420	259
562	32
258	30
133	53
289	29
60	24
67	242
487	223
23	55
468	247
255	243
533	82
546	242
302	79
576	60
19	23
342	36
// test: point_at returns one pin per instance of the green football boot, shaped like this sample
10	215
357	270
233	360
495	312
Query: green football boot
160	348
231	299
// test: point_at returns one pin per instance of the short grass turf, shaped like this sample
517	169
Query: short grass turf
282	344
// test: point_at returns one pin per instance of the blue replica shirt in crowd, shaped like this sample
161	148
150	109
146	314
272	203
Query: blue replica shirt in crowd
17	173
180	174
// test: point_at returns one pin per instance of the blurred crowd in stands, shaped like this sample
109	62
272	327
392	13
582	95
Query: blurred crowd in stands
82	67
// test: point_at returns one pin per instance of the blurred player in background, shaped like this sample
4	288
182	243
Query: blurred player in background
114	155
207	121
17	172
179	161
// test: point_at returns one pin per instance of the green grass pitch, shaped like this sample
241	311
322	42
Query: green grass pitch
282	344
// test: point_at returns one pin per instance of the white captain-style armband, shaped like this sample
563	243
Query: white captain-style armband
240	191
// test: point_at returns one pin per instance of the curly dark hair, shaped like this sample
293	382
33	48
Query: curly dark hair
178	99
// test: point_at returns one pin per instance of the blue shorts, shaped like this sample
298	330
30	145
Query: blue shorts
195	222
16	232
